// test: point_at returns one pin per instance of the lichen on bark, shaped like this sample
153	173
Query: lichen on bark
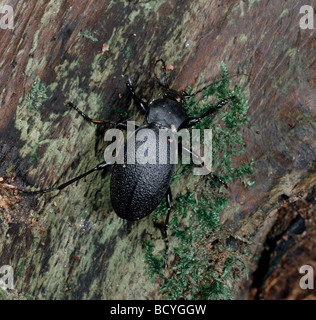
69	245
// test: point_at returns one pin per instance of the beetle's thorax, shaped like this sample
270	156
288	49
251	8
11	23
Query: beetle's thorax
166	112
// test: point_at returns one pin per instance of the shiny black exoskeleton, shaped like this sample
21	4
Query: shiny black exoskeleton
137	189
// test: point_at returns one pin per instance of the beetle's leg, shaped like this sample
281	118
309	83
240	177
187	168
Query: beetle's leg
192	153
100	166
70	104
218	179
197	157
165	227
120	125
189	122
140	103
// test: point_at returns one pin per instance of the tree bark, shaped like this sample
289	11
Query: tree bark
71	245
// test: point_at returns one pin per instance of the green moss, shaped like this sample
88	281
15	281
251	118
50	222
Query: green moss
122	113
154	262
28	296
100	108
204	266
128	52
3	294
36	95
10	168
33	155
86	34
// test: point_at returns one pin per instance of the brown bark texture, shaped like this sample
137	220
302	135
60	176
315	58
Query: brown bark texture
71	245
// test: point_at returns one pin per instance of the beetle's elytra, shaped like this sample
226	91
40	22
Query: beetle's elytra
137	189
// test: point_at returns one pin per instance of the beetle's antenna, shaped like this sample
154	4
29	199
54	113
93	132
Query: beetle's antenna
165	86
100	166
186	95
169	93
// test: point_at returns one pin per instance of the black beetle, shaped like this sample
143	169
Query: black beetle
137	189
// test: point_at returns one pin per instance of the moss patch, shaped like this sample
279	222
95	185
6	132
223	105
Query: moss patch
203	264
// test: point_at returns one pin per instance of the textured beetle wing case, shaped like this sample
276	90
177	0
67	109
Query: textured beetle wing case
137	189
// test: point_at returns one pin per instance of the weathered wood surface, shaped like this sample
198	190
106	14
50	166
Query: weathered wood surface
76	247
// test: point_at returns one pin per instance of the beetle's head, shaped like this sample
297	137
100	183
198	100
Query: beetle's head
170	94
175	96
